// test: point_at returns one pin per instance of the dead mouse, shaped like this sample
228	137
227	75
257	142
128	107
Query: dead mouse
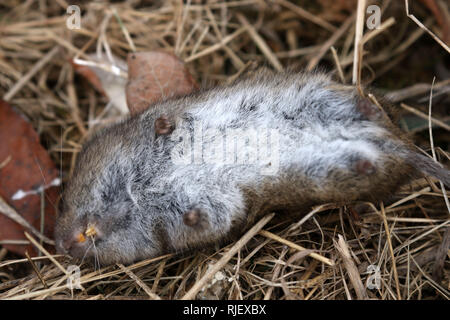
200	169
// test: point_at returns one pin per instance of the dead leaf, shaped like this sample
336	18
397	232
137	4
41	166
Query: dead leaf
28	172
106	77
154	76
90	75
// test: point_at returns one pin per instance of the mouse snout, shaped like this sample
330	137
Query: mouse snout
69	245
77	243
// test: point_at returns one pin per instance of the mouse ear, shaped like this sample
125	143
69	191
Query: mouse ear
195	218
163	126
430	167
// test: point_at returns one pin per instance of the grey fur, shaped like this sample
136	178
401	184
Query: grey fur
127	184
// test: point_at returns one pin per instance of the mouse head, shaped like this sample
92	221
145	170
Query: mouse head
99	218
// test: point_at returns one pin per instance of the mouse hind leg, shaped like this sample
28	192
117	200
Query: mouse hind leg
338	169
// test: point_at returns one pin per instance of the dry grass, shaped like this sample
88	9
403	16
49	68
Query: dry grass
325	255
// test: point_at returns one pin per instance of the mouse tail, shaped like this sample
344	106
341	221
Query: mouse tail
428	166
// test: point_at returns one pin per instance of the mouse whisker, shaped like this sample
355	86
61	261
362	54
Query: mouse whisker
96	257
85	253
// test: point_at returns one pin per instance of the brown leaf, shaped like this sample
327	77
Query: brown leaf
90	75
102	76
28	170
154	76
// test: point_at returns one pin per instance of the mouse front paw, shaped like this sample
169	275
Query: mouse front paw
196	218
